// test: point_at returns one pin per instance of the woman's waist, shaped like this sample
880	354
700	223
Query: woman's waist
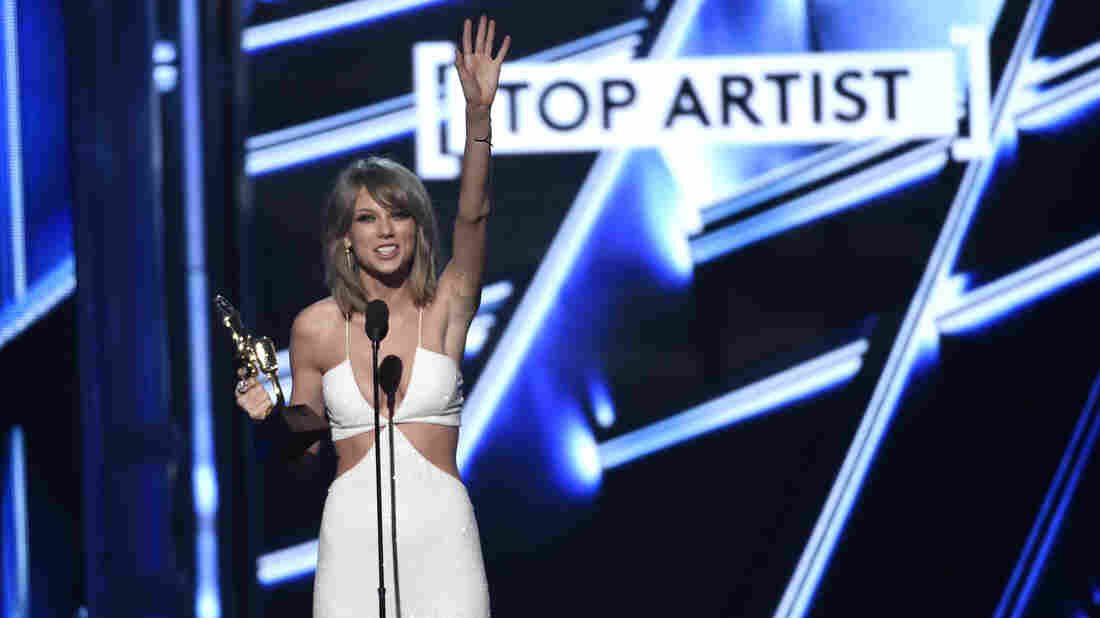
436	444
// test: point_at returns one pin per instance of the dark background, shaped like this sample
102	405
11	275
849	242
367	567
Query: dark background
713	526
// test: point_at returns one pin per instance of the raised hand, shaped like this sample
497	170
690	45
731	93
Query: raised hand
478	71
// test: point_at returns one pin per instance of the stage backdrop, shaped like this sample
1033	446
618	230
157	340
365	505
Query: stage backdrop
788	304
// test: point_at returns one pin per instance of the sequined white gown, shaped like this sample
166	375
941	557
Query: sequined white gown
440	572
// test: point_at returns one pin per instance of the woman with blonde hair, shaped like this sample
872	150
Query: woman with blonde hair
380	243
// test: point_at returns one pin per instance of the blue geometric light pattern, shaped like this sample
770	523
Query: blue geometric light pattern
36	256
1048	522
993	299
996	298
317	23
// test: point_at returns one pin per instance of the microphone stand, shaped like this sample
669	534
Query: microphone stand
392	376
378	481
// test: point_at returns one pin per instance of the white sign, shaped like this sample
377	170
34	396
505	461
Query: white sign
762	99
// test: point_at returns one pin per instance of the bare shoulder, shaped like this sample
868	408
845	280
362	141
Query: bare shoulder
315	326
314	319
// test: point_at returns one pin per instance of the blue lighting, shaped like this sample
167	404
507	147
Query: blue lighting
164	52
205	489
540	297
286	564
328	20
588	43
926	335
552	273
390	119
905	351
1062	104
797	174
165	77
584	455
1047	524
203	470
494	295
15	593
478	334
882	178
328	123
602	407
44	295
302	150
1045	69
780	389
15	151
996	299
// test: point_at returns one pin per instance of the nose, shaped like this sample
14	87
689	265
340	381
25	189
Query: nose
385	226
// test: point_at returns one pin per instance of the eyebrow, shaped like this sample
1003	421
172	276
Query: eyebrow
364	209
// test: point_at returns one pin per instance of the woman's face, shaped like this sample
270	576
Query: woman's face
383	240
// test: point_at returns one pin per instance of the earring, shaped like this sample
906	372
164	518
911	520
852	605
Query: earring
347	256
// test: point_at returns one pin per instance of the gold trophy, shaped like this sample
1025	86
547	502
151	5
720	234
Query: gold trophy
256	355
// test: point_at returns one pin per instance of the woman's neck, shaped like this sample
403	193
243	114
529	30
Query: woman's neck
395	292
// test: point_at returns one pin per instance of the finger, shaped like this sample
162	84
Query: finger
259	404
489	37
466	38
504	45
479	45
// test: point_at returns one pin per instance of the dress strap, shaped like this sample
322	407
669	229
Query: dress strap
419	323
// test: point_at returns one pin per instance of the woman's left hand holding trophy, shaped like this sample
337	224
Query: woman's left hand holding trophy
256	356
253	399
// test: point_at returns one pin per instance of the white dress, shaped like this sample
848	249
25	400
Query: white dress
439	567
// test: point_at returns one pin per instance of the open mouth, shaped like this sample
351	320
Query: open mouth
386	251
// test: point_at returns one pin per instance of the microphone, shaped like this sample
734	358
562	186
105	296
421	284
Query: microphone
389	376
377	320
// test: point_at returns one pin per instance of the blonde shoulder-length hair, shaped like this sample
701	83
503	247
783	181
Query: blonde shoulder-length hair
392	186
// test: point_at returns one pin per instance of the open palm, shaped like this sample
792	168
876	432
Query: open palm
478	71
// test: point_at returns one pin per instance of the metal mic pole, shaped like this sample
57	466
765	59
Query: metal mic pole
376	321
378	482
389	373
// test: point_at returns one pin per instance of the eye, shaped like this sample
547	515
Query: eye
365	217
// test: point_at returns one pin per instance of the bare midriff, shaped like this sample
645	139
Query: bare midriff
437	443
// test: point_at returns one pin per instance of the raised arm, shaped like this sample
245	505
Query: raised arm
479	74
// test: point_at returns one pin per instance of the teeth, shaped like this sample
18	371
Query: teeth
387	251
